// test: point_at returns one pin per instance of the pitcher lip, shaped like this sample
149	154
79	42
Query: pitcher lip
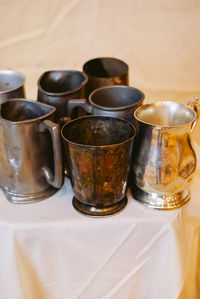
13	72
53	109
165	126
99	146
116	108
64	92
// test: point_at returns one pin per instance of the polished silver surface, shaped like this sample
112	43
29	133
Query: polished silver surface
11	85
31	166
58	86
115	101
164	160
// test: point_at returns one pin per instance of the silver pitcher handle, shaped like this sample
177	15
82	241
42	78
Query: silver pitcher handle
55	180
195	105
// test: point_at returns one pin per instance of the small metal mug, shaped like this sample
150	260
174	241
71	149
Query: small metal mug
164	160
98	157
117	101
57	87
11	85
105	71
31	165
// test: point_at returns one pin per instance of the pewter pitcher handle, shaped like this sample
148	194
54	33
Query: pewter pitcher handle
73	103
62	121
56	179
195	105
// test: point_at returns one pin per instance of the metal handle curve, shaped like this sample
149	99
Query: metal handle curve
195	105
73	103
56	179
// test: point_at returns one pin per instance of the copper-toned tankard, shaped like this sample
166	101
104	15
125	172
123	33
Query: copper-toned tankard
98	155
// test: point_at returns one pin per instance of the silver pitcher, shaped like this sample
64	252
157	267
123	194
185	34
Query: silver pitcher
30	151
164	159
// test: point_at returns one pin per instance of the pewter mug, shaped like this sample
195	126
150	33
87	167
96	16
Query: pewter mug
57	87
11	85
117	101
164	159
98	158
31	166
105	71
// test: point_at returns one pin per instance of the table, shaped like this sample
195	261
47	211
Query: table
50	251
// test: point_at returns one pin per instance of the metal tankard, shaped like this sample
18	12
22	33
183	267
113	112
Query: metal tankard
30	151
164	160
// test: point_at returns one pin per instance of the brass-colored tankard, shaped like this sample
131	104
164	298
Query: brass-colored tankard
164	160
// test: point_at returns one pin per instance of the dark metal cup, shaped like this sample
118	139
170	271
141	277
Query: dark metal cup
57	87
98	155
11	85
117	101
105	71
31	165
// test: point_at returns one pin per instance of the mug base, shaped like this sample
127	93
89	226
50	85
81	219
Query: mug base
99	211
161	201
29	198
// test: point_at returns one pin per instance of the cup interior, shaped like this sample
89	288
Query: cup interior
97	131
10	80
116	96
61	81
20	110
105	67
165	114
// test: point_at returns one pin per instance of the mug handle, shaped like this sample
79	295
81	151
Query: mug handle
55	180
195	105
62	121
73	103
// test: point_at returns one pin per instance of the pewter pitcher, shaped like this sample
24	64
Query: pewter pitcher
164	159
11	85
56	87
30	151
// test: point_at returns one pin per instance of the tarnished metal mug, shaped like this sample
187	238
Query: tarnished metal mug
164	159
98	155
11	85
57	87
31	165
105	71
117	101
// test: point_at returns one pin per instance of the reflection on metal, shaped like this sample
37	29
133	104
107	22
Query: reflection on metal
164	159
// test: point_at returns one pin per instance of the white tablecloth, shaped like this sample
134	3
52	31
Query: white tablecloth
48	250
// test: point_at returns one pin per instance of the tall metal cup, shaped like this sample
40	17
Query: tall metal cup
57	87
105	71
31	166
11	85
98	155
164	158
